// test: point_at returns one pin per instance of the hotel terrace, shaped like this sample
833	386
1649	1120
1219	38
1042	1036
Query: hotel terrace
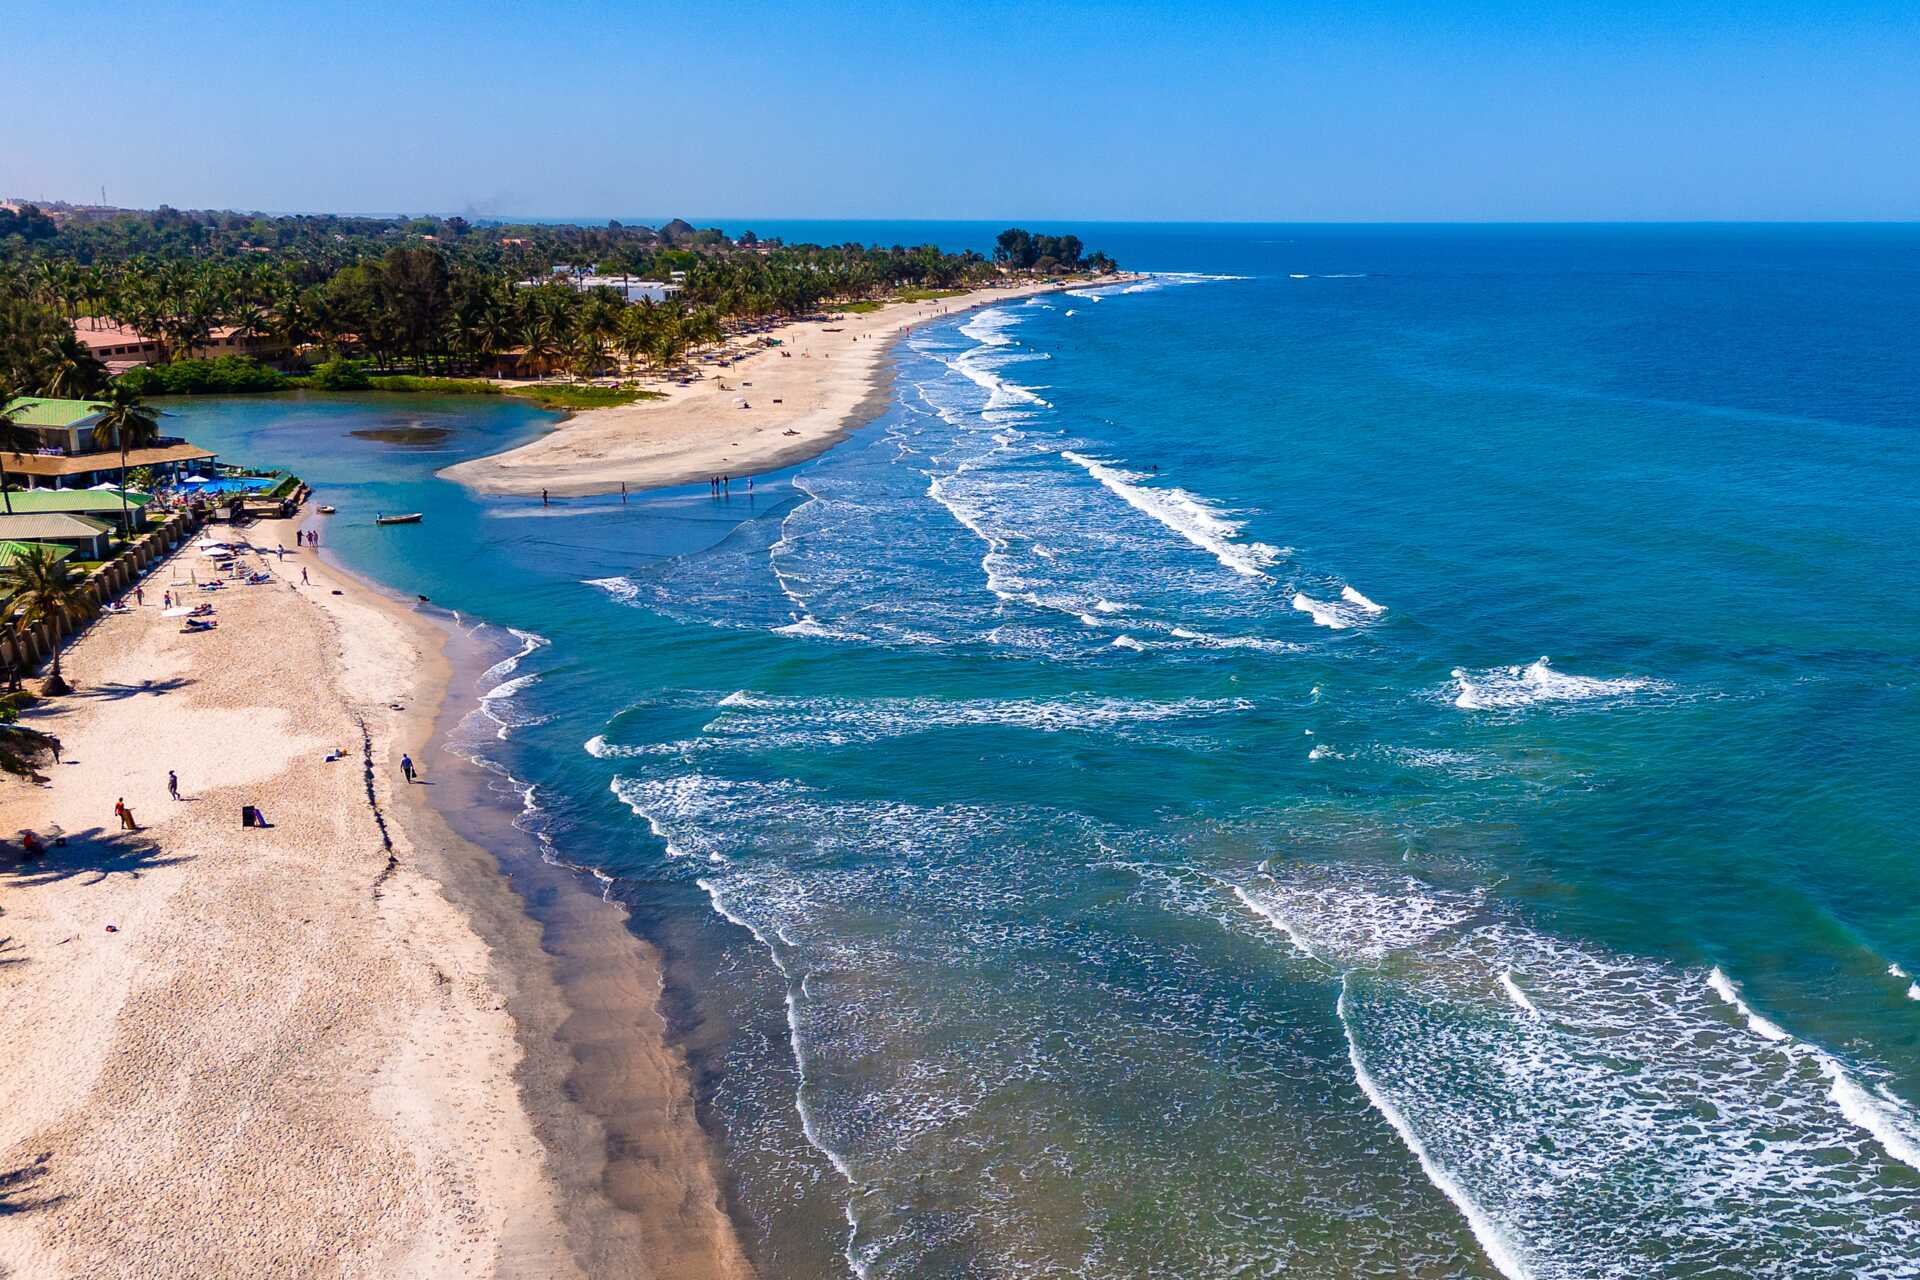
68	455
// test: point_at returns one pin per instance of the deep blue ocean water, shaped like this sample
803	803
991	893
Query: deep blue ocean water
1113	816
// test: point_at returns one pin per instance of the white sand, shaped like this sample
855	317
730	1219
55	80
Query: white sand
268	1068
824	386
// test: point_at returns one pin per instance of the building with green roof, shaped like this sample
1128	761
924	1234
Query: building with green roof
67	452
8	550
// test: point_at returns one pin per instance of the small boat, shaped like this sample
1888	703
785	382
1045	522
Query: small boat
410	518
326	511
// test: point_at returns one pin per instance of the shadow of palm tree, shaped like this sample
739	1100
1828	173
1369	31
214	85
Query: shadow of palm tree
10	952
94	855
13	1180
114	690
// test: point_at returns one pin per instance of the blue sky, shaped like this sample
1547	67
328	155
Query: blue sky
1208	110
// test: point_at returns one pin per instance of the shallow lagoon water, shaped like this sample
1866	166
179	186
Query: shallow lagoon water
1113	816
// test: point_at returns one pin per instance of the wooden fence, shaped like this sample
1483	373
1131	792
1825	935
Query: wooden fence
26	649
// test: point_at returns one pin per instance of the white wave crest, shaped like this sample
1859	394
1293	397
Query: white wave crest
1194	518
1338	615
1352	596
1885	1118
1510	687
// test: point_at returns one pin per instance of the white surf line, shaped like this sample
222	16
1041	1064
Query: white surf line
1194	518
1493	1241
1515	994
1881	1118
808	1127
1500	1251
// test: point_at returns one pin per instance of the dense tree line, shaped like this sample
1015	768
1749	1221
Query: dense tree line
1022	250
437	295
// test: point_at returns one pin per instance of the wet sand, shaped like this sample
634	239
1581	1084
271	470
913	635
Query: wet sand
288	1055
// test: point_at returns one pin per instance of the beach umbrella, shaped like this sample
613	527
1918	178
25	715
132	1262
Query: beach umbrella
198	480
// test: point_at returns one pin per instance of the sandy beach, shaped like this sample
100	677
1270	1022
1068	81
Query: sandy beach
826	378
275	1052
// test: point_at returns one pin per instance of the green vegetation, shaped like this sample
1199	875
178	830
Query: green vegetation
42	588
859	308
363	298
337	375
225	376
435	386
565	395
1047	255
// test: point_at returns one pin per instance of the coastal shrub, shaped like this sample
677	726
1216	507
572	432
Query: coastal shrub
222	376
434	386
338	375
562	395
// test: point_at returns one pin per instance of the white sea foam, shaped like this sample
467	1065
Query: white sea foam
625	590
1350	610
1502	688
529	641
1352	596
1890	1121
1196	519
765	722
1500	1250
497	703
1515	994
1204	640
1735	1132
1128	642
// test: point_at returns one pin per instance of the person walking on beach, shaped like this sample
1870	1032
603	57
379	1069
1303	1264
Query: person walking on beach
173	784
543	497
406	765
166	600
303	575
139	596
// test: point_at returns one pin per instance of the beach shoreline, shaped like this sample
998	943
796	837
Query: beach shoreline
272	1012
824	381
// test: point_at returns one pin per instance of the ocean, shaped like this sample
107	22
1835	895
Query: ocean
1378	751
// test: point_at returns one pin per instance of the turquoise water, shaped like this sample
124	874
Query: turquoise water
1113	817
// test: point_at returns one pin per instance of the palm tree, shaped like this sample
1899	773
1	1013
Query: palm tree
40	587
73	371
14	439
130	423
